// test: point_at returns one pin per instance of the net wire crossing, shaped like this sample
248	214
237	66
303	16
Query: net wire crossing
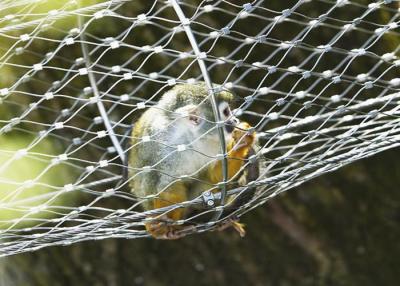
317	82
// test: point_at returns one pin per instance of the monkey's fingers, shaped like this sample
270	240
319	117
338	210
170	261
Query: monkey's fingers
159	230
155	228
240	146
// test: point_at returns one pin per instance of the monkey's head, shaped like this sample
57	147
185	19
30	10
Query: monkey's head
190	105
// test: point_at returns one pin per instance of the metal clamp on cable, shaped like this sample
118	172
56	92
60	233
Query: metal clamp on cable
208	198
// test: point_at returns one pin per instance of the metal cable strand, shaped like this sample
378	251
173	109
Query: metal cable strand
199	57
71	88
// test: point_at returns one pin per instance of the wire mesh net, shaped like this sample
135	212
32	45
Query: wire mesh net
318	81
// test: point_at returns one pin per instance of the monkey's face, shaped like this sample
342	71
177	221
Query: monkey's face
227	117
199	118
202	119
189	108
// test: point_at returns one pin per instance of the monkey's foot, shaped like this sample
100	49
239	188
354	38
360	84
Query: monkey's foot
161	230
233	222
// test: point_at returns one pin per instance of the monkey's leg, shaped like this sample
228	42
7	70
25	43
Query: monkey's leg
161	230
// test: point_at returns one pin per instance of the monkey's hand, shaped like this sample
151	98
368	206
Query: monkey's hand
238	148
242	140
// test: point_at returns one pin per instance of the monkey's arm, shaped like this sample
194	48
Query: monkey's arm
240	171
239	147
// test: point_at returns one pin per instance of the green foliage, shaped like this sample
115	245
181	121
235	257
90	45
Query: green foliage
28	184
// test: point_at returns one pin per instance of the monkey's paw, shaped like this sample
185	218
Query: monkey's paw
233	222
161	230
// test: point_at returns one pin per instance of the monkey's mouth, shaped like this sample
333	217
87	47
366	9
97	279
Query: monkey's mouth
229	128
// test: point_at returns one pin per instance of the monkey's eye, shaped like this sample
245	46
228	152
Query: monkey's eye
226	112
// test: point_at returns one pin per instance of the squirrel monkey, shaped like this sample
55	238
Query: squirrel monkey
173	144
174	139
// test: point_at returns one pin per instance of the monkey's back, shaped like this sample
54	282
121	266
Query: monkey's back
143	153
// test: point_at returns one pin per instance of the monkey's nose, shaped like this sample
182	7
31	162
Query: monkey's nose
231	124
